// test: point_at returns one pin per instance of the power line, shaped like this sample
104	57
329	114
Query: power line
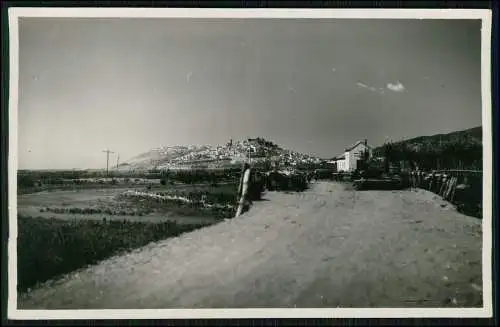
107	160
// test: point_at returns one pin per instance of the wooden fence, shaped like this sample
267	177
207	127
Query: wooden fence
460	187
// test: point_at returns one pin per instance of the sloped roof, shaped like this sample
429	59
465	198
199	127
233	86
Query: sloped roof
356	144
342	156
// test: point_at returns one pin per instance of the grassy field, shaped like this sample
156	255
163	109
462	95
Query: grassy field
152	202
48	248
65	224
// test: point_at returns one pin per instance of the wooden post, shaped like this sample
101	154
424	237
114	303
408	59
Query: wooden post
452	181
452	189
240	187
244	192
448	188
445	187
441	186
437	181
431	181
455	183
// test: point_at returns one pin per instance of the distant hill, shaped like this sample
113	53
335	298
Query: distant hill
461	149
205	156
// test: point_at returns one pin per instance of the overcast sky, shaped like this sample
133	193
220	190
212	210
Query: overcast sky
315	86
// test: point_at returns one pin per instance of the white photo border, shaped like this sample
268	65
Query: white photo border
140	13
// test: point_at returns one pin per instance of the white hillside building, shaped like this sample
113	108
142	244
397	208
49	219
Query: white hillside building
349	160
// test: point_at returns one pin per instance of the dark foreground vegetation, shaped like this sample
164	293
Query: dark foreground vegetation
48	248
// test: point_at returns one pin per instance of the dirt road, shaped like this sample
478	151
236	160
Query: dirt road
326	247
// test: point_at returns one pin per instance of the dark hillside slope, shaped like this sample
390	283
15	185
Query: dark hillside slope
456	150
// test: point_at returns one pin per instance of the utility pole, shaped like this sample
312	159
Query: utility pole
117	161
107	160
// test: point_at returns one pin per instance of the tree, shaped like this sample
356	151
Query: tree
388	153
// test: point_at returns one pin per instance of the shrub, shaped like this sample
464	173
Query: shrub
25	181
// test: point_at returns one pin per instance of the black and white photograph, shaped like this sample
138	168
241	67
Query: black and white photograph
249	163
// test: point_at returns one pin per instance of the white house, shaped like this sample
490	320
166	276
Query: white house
349	160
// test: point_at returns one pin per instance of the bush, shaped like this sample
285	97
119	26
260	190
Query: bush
48	248
276	181
25	182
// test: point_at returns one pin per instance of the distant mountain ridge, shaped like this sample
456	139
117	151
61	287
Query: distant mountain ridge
233	152
471	136
460	149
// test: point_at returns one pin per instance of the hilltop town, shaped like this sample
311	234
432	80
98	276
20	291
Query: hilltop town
207	156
